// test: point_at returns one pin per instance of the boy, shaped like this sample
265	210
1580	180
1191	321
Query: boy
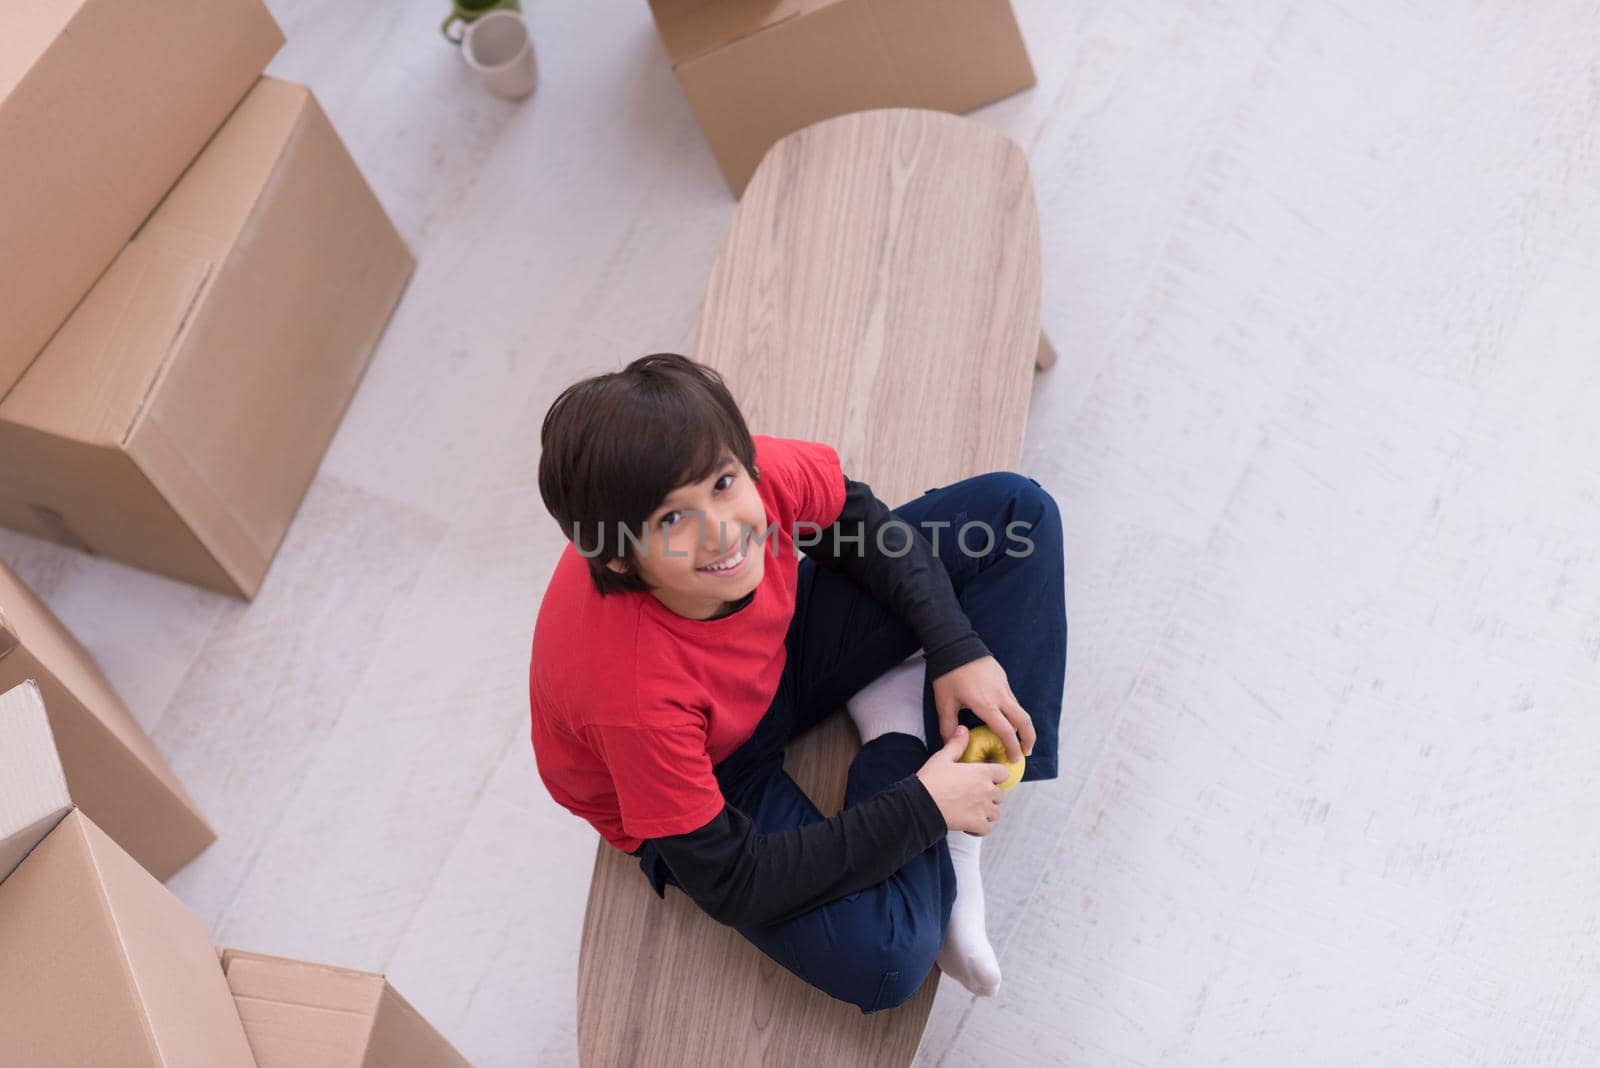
683	641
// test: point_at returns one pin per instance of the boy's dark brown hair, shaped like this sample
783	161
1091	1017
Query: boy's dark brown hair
613	447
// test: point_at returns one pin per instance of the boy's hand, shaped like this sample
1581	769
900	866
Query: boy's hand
968	795
982	686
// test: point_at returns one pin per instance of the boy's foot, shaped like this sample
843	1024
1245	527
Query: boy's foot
892	702
967	957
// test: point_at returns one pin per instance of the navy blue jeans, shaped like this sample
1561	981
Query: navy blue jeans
874	948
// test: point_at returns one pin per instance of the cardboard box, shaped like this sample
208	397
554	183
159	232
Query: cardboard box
103	103
99	964
113	771
756	72
301	1015
176	419
33	792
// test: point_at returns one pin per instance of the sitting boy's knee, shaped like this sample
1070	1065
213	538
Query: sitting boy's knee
1026	491
1040	500
1030	504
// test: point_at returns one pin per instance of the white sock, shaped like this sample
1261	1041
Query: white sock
892	702
967	957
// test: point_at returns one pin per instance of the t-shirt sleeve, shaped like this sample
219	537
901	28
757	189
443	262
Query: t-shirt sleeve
809	475
894	562
662	776
743	878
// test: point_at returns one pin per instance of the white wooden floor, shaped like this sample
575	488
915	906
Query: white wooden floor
1325	283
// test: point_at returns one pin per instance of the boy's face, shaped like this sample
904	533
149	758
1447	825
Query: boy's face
697	525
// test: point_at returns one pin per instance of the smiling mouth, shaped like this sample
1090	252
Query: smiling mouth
730	562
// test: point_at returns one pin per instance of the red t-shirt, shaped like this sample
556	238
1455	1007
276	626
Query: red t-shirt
632	703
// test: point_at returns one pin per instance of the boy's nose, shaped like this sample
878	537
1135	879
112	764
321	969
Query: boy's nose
722	535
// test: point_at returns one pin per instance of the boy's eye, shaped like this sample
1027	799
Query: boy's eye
666	520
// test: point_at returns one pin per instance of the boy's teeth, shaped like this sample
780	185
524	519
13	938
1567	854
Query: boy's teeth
725	565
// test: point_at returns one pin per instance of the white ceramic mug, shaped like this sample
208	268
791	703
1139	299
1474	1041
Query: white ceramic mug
497	45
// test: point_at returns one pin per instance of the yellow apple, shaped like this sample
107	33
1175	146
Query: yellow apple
985	747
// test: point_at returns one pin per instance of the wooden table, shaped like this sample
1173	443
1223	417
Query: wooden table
878	290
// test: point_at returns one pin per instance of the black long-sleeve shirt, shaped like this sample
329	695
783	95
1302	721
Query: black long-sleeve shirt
742	877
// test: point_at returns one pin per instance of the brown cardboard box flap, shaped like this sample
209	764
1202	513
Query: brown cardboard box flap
754	74
103	103
69	665
690	28
113	770
831	62
33	791
104	966
105	359
954	55
298	1013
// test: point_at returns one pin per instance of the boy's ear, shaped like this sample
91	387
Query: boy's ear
618	566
